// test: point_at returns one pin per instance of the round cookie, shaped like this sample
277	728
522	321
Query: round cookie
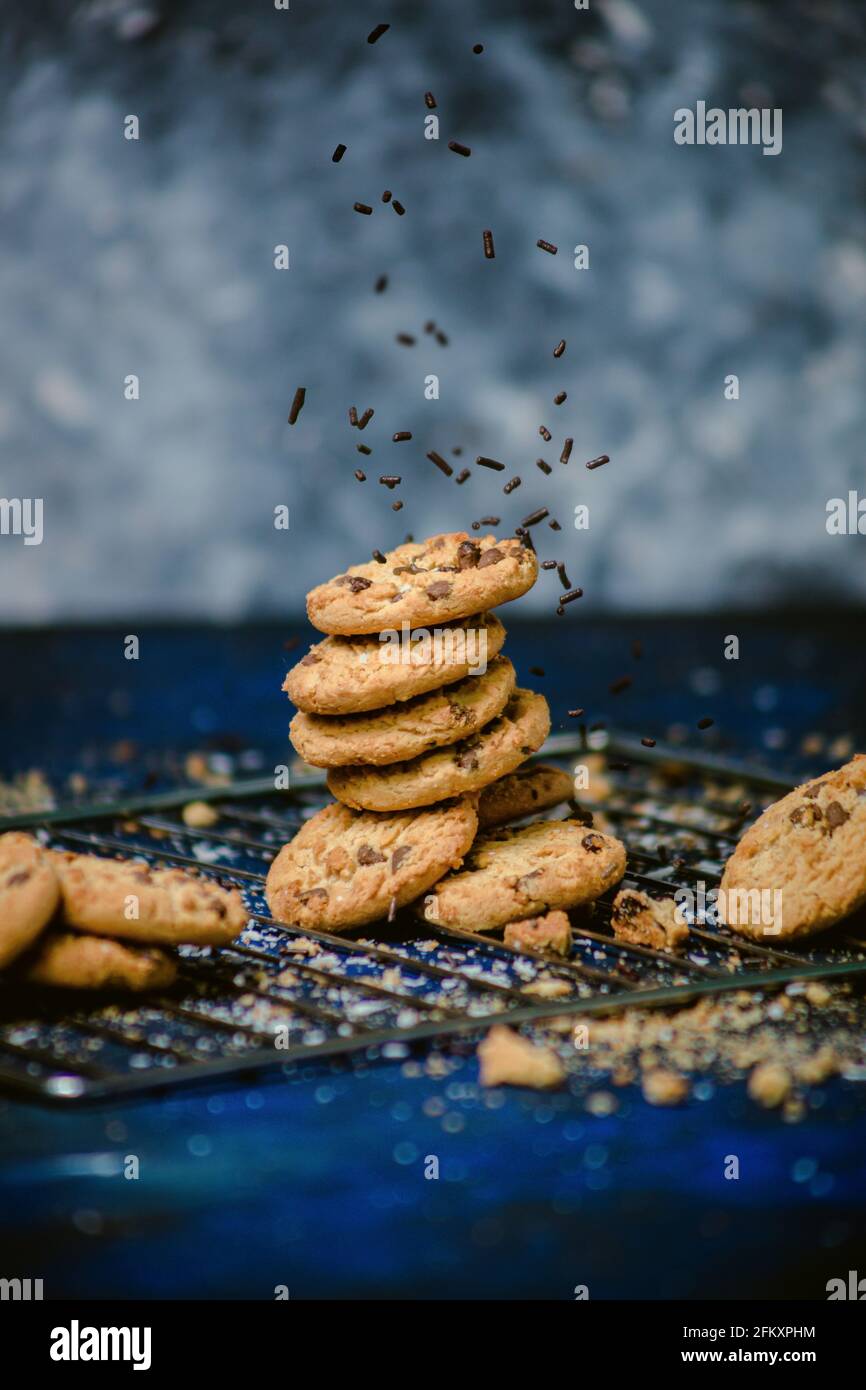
29	893
464	767
423	583
405	731
345	868
125	898
802	866
523	793
348	675
73	961
514	874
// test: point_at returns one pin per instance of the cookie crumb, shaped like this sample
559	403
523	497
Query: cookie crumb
199	814
664	1087
505	1058
769	1085
549	932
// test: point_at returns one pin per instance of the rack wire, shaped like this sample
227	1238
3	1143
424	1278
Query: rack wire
280	994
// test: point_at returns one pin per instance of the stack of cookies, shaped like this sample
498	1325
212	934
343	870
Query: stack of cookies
412	706
82	922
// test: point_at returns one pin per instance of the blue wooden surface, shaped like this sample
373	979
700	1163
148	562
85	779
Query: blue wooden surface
315	1180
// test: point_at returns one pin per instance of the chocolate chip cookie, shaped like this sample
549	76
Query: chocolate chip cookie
29	893
513	874
405	731
646	921
345	868
424	583
348	675
522	793
464	767
124	898
76	961
801	867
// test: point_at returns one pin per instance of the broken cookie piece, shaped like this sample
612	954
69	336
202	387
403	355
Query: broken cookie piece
646	921
507	1059
549	932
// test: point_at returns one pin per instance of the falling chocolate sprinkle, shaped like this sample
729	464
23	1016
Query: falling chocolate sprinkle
366	418
535	517
440	463
490	520
489	251
430	327
377	33
353	416
440	338
362	477
363	448
597	463
571	596
560	611
459	149
290	643
390	480
430	101
400	436
386	196
637	649
563	577
511	484
560	348
338	153
396	506
536	670
545	433
381	284
706	722
560	397
462	476
484	462
545	467
554	525
457	451
547	246
297	404
405	339
548	564
618	686
575	713
566	451
648	742
398	207
363	208
478	48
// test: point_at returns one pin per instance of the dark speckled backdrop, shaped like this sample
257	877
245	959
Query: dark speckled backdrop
155	257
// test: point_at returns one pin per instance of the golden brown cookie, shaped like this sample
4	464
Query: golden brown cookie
408	730
423	583
512	874
75	961
29	893
801	866
647	921
345	868
348	675
464	767
522	793
550	933
125	898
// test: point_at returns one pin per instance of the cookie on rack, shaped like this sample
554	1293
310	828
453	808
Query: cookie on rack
73	960
345	868
801	867
349	675
405	731
523	793
513	874
29	893
424	582
464	767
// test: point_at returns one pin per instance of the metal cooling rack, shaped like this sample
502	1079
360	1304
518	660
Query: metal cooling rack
281	994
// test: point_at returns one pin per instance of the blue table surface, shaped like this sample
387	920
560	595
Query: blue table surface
315	1180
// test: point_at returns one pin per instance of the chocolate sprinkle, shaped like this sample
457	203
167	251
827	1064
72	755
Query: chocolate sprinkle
390	480
398	207
545	433
462	476
560	397
362	477
399	437
511	484
365	419
547	246
459	149
575	713
566	451
377	33
560	348
484	462
535	517
597	463
548	564
363	208
618	686
405	339
379	557
396	506
490	520
338	153
563	577
571	596
489	251
386	196
545	467
706	723
430	101
554	525
363	448
440	463
648	742
381	284
297	404
536	670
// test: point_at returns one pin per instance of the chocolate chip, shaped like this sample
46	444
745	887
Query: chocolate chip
310	659
468	555
354	582
593	843
368	855
812	791
836	815
313	893
398	857
439	590
17	879
467	759
490	557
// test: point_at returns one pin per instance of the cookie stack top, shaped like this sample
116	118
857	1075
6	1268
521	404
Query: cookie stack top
409	700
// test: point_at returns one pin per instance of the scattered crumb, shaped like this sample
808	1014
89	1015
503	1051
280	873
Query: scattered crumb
28	791
646	921
664	1087
602	1103
198	769
506	1058
550	932
199	814
769	1084
303	946
818	994
547	988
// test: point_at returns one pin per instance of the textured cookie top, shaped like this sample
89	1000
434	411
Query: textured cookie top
432	581
346	675
522	793
463	767
345	868
125	898
29	893
72	960
514	874
405	731
810	849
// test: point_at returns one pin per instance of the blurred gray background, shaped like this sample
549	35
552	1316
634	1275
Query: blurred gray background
155	257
